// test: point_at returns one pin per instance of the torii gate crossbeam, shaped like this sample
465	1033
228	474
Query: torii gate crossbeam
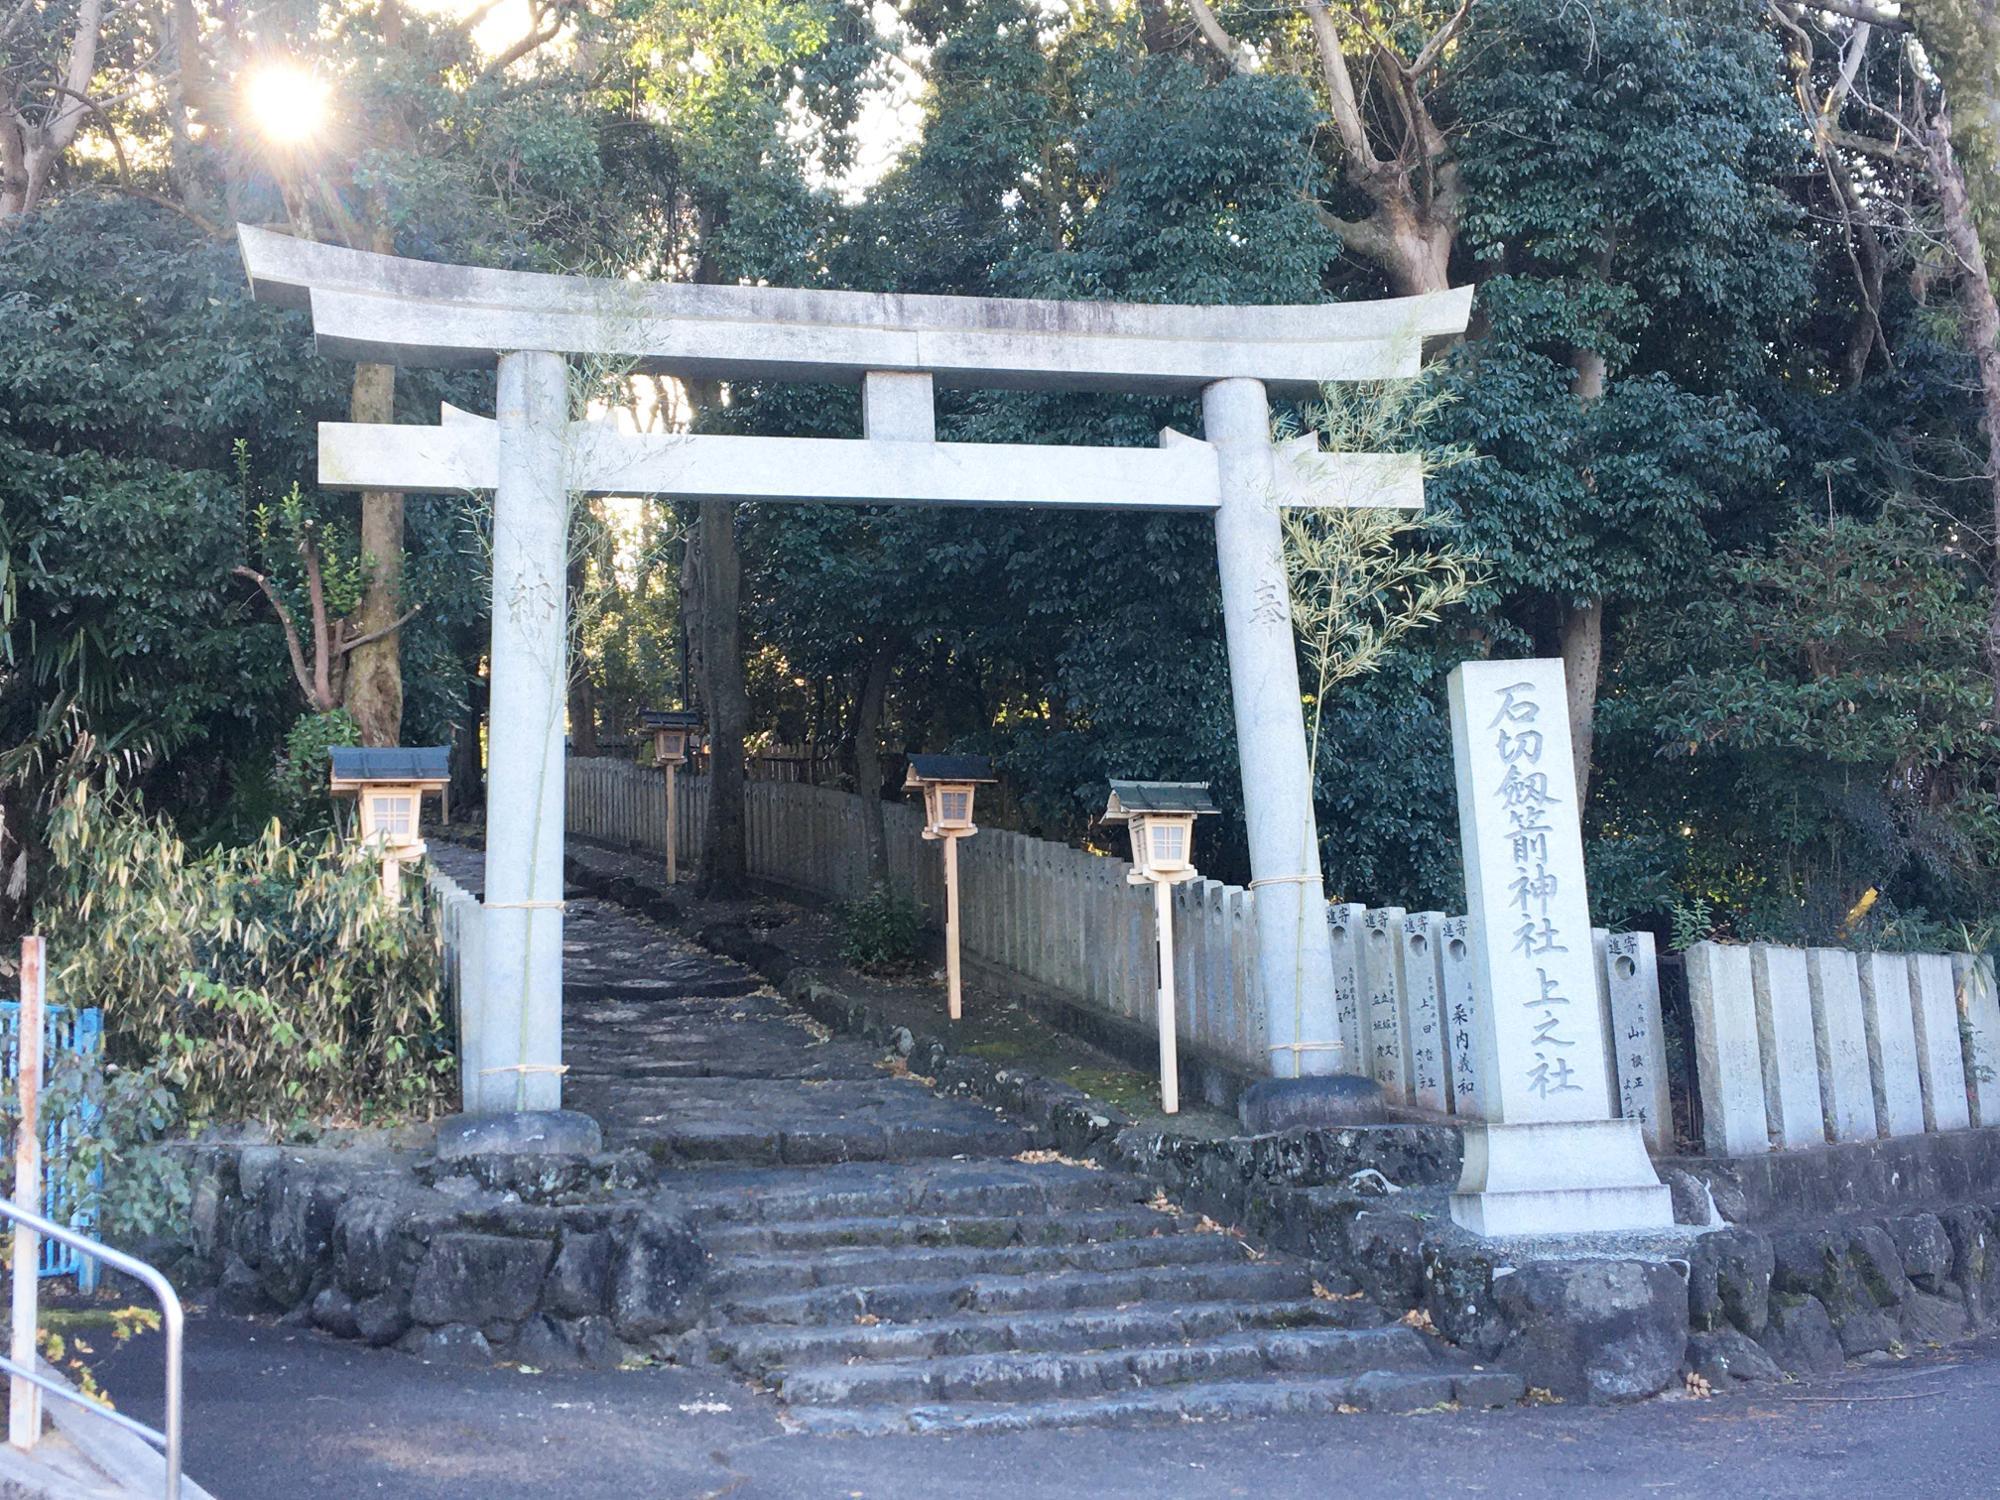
533	456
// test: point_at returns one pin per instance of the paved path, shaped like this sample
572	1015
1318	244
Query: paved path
277	1414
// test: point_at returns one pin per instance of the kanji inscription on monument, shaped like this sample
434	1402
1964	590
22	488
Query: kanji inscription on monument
1549	1155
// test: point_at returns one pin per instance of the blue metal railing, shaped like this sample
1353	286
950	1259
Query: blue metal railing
66	1032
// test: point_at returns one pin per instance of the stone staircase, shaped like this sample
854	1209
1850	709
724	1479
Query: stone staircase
885	1259
998	1295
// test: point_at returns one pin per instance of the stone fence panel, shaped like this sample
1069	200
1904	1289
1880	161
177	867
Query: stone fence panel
1802	1047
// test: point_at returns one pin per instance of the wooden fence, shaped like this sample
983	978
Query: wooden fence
1068	920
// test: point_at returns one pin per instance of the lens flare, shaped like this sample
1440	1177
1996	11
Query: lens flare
286	102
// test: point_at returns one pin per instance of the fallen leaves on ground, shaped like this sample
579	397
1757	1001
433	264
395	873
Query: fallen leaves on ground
1046	1158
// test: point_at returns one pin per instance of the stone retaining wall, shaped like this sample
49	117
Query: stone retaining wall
550	1260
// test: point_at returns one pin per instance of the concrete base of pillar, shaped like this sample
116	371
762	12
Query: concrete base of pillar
1332	1101
1558	1177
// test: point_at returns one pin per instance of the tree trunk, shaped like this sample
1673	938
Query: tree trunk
724	856
468	780
868	762
582	714
1583	658
29	154
1982	320
1582	626
374	692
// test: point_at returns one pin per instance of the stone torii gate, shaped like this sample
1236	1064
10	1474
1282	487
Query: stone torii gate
533	456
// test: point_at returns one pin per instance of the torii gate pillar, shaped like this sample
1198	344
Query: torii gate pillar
1294	959
528	672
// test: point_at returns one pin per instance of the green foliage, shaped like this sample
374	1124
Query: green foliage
1693	922
131	1109
1362	579
1660	387
300	776
882	932
265	982
1827	701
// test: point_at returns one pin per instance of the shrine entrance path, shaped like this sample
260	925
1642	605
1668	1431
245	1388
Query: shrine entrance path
692	1058
885	1259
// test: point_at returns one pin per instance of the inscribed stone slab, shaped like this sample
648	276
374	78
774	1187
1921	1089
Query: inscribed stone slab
1638	1040
1979	1009
1523	848
1424	1062
1940	1059
1890	1018
1343	931
1722	999
1461	1002
1381	991
1549	1157
1840	1045
1792	1110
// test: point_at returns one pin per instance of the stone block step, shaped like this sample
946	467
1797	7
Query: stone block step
758	1350
1075	1227
1379	1391
909	1301
873	1190
809	1143
798	1271
1055	1375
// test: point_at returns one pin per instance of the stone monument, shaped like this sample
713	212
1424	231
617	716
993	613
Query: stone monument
1548	1157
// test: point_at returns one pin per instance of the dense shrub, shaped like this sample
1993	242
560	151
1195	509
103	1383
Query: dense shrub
881	931
266	981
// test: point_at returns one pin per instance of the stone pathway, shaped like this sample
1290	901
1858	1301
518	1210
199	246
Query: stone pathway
886	1259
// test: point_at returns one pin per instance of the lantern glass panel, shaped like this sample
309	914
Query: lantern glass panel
1168	837
955	806
393	816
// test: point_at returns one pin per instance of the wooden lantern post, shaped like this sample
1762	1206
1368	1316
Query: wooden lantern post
947	783
674	733
1159	815
390	785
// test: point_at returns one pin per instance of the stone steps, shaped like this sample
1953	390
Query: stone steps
1039	1375
991	1230
996	1296
784	1122
759	1350
1272	1396
881	1258
805	1270
909	1301
880	1190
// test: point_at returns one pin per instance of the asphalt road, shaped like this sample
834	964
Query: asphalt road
284	1414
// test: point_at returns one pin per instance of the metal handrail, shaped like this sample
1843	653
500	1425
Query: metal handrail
171	1319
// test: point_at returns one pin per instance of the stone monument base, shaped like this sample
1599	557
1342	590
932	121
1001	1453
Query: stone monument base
1330	1101
1558	1177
